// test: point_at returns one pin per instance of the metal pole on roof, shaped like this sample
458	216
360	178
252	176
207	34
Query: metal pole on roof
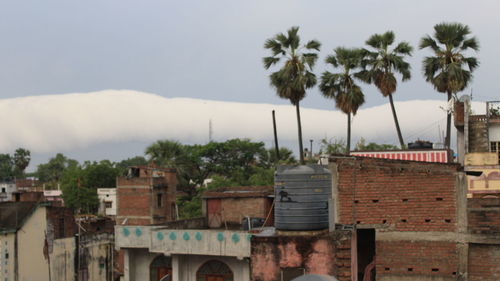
276	139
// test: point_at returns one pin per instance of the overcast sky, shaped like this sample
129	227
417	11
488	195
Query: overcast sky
211	49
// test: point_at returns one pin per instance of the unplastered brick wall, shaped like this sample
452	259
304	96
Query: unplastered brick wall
328	254
404	195
484	262
419	258
235	209
483	216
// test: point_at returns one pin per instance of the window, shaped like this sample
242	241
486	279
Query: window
159	200
61	227
108	204
160	269
3	189
214	270
495	147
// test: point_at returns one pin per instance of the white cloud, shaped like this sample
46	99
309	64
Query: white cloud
52	123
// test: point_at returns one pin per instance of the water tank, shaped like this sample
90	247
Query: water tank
301	197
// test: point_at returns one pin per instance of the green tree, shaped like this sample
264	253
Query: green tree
21	159
6	167
382	64
361	145
123	165
332	146
51	172
295	76
450	69
341	86
79	184
269	158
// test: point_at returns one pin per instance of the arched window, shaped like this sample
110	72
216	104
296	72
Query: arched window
214	270
160	269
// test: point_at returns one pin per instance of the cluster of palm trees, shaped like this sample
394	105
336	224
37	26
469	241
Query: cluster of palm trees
448	70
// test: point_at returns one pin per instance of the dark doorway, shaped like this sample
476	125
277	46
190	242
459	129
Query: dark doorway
366	254
214	270
290	273
160	268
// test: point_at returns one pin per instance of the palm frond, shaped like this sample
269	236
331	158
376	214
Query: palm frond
470	43
310	59
375	41
313	45
472	63
404	48
269	61
293	37
428	42
332	60
275	46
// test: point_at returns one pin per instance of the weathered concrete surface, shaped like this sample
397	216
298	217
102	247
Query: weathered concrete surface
129	236
7	256
201	242
137	262
96	252
184	241
62	260
32	264
327	254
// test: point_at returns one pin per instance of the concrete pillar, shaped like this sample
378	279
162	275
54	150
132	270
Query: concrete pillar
126	265
175	268
333	203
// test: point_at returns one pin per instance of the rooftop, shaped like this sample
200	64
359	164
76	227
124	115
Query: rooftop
239	192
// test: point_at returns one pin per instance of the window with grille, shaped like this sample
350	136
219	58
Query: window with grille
159	200
495	147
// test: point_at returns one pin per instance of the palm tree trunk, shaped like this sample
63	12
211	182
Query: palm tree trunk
299	126
400	136
348	146
448	125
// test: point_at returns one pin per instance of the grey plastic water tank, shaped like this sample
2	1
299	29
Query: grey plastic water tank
301	194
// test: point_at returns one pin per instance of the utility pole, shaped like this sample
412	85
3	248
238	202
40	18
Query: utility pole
276	139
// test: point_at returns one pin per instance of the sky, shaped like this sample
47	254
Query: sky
198	51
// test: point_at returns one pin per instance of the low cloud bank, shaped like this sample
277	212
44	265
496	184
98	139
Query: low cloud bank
54	123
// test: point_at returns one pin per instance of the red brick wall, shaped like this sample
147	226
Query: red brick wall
483	215
411	196
137	197
31	196
235	209
57	216
417	258
327	254
484	262
133	201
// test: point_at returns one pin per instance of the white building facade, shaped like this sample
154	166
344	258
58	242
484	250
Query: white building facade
107	199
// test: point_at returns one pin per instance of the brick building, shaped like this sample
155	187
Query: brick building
231	205
146	196
478	145
389	219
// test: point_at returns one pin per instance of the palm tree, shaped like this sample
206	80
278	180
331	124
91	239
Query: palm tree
292	80
342	86
22	159
449	70
382	63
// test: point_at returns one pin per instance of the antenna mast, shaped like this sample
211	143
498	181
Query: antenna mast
210	132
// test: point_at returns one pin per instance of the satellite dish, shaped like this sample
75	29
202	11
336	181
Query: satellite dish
315	277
